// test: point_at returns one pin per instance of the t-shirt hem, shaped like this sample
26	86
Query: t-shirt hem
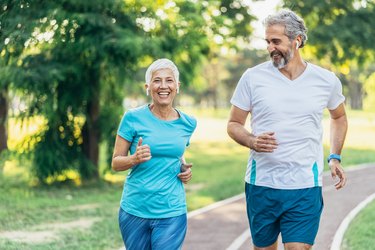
124	136
333	107
158	216
234	103
283	187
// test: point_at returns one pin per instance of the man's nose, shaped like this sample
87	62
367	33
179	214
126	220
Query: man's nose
270	47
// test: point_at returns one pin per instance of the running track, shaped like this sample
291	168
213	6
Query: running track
224	226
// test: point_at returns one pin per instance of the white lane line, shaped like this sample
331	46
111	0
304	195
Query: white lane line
337	239
237	243
215	205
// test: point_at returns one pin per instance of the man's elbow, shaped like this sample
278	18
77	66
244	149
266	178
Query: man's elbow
230	129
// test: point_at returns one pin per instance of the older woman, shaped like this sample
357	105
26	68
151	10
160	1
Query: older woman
153	207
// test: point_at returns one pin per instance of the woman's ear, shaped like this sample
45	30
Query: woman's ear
178	87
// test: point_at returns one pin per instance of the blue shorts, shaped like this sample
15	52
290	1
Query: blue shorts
294	213
156	234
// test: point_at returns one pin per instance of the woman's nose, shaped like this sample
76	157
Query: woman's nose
163	84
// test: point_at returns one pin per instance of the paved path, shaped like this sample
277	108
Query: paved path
226	226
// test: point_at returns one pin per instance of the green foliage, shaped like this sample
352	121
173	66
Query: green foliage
369	86
78	59
341	30
65	79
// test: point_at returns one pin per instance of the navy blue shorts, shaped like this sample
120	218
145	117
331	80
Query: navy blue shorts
294	213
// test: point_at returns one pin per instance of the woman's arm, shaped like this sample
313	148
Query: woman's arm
121	160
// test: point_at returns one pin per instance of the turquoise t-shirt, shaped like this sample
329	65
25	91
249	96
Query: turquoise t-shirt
152	188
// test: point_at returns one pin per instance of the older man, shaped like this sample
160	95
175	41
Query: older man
286	98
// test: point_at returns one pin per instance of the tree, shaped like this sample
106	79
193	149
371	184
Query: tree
80	57
228	27
70	68
341	31
17	19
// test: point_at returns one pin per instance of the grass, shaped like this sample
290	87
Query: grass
27	209
219	169
361	232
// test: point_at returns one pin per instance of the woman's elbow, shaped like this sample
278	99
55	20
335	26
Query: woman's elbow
114	165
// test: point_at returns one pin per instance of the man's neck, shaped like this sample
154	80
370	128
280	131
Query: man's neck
294	68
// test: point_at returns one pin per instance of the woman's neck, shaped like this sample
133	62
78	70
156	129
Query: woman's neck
164	112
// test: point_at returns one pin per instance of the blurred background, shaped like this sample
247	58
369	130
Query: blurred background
69	69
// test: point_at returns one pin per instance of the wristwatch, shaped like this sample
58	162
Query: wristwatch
334	156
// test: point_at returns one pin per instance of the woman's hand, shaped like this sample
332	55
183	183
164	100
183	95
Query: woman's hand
186	173
142	153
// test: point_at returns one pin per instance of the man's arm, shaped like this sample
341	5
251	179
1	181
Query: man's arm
265	142
339	127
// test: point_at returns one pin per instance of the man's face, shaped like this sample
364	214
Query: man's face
279	47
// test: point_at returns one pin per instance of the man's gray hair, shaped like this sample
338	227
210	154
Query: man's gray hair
162	63
294	25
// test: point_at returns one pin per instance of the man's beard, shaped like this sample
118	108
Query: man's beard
284	60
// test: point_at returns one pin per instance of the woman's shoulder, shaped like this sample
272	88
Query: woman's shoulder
137	110
191	120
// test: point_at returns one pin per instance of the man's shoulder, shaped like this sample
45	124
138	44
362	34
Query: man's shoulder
262	66
259	68
320	70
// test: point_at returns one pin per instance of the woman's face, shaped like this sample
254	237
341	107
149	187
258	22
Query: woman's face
163	87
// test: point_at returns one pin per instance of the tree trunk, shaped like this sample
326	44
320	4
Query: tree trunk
355	94
3	120
90	133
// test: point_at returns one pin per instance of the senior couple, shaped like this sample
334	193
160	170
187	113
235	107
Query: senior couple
286	97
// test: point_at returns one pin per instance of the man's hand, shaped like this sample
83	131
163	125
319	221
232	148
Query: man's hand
265	142
337	171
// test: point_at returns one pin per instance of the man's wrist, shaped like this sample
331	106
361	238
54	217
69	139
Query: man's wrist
251	141
335	157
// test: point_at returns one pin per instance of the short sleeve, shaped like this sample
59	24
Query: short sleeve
242	94
336	97
191	125
126	128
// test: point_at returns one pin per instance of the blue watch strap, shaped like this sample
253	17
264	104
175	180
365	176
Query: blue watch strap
334	156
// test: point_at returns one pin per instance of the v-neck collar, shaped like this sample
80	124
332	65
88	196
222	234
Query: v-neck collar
301	76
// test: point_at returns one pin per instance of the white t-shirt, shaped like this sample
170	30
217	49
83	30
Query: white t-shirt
293	109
